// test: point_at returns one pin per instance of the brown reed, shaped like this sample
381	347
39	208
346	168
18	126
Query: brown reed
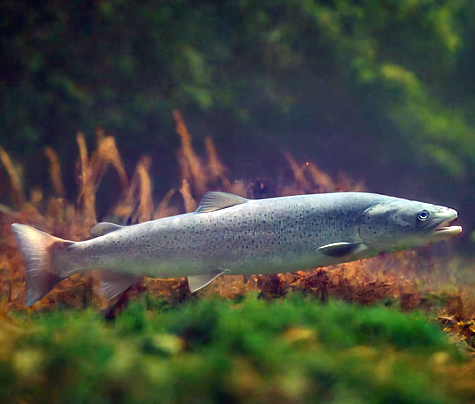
55	171
15	181
190	163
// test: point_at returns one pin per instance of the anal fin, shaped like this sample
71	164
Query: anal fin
196	282
113	283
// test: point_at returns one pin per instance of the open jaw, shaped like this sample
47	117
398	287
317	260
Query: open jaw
444	230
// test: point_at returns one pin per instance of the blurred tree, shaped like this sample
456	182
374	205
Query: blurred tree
123	65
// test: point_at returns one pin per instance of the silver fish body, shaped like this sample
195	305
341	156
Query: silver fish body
232	235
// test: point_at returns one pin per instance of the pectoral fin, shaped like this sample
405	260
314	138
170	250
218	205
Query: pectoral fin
196	282
103	228
113	283
341	250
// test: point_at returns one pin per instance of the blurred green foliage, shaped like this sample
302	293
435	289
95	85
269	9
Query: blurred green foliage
296	350
124	65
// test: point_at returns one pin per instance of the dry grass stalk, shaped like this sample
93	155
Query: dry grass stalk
145	202
92	171
107	154
184	166
345	183
321	179
163	208
87	197
82	164
238	188
217	170
55	171
189	162
300	181
16	183
190	204
55	211
100	135
6	210
137	199
69	213
36	196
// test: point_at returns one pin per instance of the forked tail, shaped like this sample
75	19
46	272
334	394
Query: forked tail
38	250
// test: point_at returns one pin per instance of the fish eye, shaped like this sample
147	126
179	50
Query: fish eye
423	215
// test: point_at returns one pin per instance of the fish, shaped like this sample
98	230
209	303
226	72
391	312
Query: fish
228	234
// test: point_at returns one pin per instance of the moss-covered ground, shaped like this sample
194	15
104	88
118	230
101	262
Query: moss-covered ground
295	349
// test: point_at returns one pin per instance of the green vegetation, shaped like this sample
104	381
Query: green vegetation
125	65
296	349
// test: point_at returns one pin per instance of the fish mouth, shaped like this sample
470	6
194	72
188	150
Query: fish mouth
446	230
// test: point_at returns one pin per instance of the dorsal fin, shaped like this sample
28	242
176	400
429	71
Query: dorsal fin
103	228
218	200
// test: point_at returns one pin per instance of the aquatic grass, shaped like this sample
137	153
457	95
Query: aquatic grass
202	322
252	351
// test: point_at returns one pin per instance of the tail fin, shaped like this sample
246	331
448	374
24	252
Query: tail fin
37	248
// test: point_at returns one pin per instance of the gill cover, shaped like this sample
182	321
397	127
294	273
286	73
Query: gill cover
387	222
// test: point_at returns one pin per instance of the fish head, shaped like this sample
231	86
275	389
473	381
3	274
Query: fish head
400	224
